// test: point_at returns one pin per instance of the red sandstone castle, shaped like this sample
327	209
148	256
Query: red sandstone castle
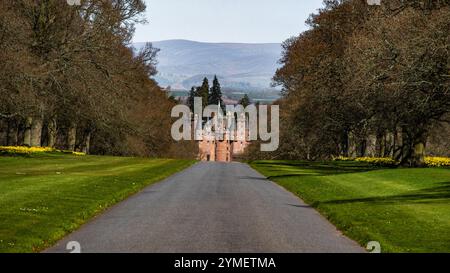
222	143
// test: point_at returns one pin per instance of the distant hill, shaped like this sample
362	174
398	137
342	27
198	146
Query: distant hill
241	67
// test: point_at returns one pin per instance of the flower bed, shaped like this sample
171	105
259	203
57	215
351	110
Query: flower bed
23	150
437	161
377	161
389	162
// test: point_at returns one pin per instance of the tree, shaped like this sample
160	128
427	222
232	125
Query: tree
245	101
404	68
366	80
215	95
312	80
203	91
70	79
191	98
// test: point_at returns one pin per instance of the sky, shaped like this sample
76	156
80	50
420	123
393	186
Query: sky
234	21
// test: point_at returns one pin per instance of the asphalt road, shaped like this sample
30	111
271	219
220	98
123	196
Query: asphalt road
212	208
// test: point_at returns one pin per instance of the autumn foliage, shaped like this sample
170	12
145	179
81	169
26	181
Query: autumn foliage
70	79
367	81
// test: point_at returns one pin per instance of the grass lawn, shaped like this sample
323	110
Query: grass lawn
42	198
406	210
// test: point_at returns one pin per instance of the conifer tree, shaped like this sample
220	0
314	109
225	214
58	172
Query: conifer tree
203	91
191	98
215	96
245	101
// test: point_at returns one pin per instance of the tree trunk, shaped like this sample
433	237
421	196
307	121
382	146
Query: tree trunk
13	131
36	132
387	145
413	154
12	136
418	155
406	148
4	136
72	137
396	149
379	144
52	132
362	149
86	142
27	132
345	144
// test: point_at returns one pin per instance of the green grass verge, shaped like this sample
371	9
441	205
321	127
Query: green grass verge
43	198
406	210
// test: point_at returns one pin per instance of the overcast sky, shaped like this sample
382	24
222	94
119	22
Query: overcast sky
245	21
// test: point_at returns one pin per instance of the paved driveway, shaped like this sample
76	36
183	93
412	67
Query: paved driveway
211	207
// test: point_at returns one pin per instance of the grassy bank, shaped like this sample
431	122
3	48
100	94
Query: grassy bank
406	210
42	198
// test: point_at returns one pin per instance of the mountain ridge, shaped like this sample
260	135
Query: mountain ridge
239	66
201	42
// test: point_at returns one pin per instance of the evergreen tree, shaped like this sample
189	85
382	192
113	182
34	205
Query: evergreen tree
190	100
245	101
203	91
215	96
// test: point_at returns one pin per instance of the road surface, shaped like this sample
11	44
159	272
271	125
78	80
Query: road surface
212	208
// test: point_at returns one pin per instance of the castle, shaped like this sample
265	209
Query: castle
218	141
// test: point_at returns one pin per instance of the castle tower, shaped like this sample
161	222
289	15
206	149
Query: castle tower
224	142
242	135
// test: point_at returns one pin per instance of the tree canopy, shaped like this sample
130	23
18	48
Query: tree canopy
71	79
366	80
